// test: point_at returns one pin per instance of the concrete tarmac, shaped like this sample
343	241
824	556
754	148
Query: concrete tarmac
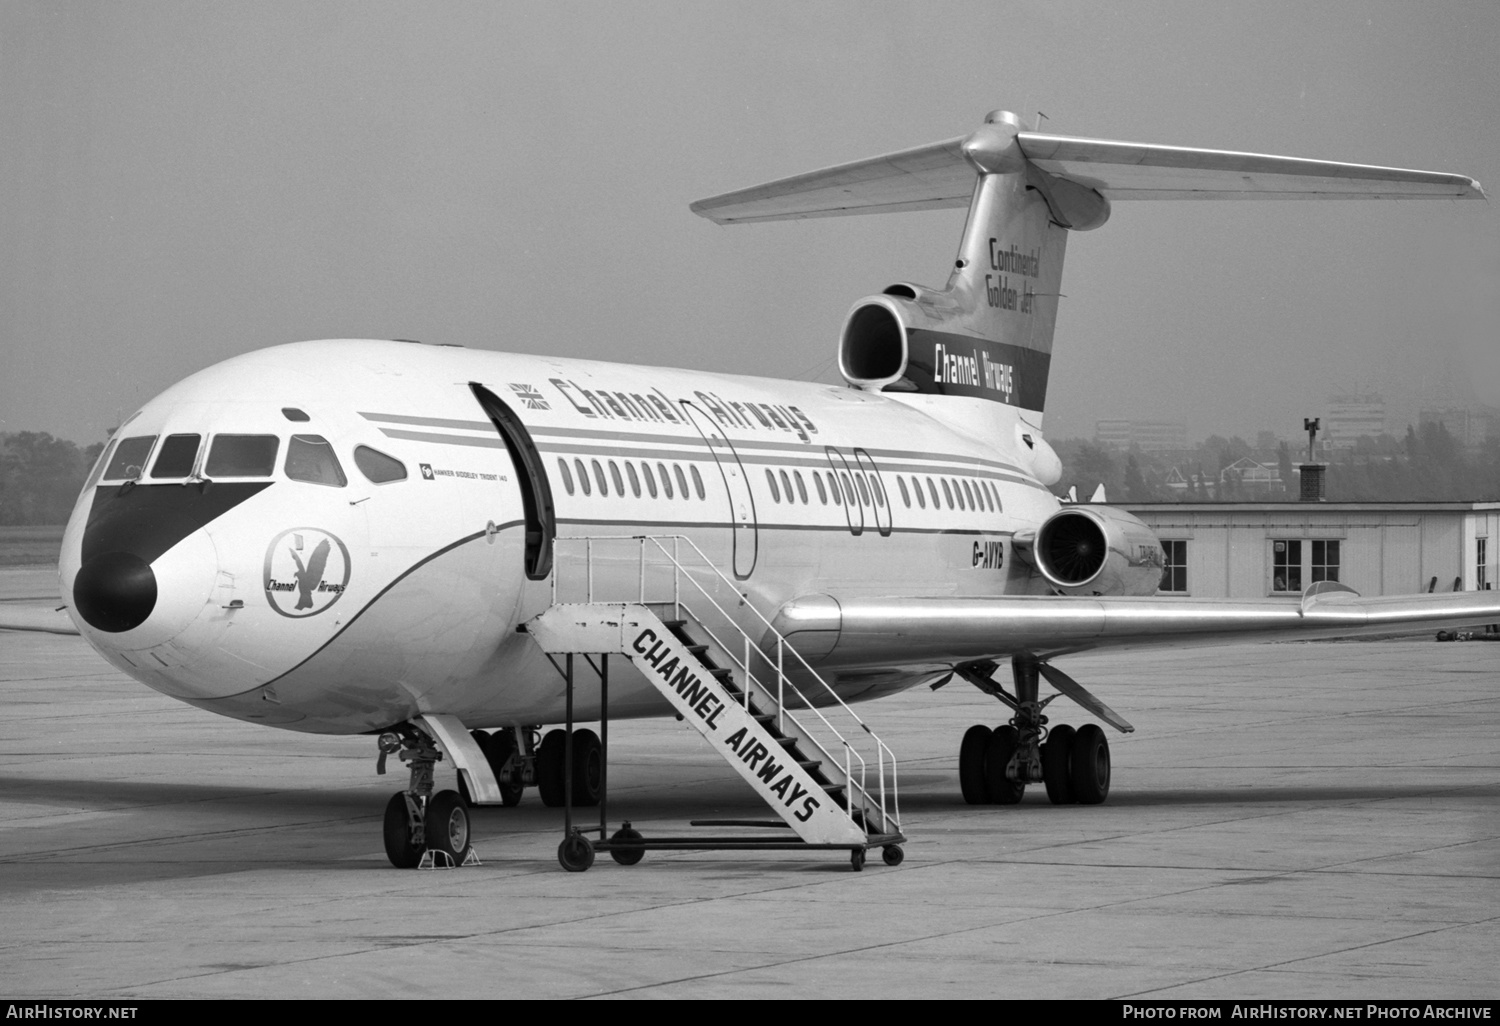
1289	821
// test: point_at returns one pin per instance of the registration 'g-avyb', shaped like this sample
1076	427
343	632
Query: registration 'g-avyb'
410	541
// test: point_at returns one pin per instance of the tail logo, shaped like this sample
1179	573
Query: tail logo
306	570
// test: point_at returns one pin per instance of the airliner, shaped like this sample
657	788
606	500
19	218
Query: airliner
353	536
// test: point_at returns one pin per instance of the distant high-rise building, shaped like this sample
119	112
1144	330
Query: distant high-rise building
1469	425
1352	417
1149	435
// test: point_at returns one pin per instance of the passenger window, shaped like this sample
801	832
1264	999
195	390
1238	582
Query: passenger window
377	466
801	488
916	486
771	480
822	492
698	482
864	492
599	478
833	486
310	458
666	480
999	505
947	493
245	456
932	490
567	475
614	472
176	456
786	486
681	480
583	477
650	479
635	481
877	491
970	493
848	488
130	458
905	495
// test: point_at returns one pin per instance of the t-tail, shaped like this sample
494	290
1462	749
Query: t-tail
987	334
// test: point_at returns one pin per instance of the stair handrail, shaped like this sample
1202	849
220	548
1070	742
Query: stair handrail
888	806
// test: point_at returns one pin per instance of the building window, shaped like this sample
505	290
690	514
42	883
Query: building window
1174	567
1286	565
1325	561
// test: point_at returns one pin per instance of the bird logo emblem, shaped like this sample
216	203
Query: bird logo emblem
306	570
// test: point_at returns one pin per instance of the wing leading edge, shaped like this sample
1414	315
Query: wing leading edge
914	631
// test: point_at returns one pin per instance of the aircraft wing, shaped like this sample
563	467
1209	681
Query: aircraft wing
909	631
938	176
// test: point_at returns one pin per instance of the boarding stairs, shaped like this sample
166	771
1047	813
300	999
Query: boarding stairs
689	631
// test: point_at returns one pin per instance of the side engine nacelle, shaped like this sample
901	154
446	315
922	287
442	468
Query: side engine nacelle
1098	550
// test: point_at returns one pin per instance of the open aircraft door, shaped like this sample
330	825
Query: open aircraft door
741	502
536	494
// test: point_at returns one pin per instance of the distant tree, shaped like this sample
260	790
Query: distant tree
1136	489
1284	466
39	478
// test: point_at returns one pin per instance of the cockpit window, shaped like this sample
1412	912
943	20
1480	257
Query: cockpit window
130	458
242	456
310	458
99	465
377	466
176	455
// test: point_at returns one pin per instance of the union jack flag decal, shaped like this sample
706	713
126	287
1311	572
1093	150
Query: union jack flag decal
530	396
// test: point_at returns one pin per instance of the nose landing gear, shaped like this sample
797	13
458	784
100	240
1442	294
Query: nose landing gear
418	823
994	766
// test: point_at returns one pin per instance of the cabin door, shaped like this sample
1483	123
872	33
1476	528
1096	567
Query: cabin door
737	483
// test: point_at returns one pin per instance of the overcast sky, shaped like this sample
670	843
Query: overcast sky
182	182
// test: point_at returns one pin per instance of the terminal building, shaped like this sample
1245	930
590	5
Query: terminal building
1147	435
1259	549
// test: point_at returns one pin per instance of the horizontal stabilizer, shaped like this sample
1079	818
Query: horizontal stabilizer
939	176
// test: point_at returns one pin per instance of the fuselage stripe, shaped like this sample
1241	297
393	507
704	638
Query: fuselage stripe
741	445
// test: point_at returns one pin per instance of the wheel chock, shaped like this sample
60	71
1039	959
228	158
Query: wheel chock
433	859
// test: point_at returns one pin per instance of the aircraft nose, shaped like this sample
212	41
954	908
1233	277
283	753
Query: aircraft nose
115	591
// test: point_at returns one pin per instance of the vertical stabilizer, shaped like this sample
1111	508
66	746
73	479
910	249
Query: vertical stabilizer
988	333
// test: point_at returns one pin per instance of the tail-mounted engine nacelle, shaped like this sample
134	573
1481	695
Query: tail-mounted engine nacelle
1098	550
872	345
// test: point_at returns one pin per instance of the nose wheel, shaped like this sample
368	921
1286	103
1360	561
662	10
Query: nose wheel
418	822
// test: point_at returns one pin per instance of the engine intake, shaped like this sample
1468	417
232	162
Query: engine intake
1098	550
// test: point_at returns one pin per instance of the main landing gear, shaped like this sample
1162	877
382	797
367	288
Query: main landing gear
539	761
994	766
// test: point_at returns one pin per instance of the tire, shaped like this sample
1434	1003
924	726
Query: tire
398	847
971	765
1057	755
550	780
447	824
892	854
1089	772
498	749
575	854
857	860
587	760
1003	744
628	856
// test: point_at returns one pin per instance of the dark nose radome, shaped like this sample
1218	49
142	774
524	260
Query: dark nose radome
115	591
